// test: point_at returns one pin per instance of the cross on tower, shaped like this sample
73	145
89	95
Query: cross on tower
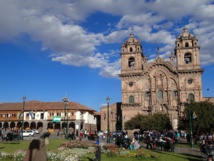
158	51
132	28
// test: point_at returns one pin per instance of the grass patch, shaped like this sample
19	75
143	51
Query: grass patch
11	147
162	156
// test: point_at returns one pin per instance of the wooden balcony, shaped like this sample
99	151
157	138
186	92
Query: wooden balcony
9	119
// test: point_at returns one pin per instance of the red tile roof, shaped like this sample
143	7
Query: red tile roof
37	105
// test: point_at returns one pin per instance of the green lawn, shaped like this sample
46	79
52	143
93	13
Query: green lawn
13	146
54	144
162	156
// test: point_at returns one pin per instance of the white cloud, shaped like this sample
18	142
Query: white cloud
57	25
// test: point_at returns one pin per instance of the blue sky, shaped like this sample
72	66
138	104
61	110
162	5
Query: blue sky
55	48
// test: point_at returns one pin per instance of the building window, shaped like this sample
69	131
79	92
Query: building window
186	44
131	84
190	81
131	49
147	94
175	93
160	95
178	44
131	99
131	62
42	116
188	58
191	97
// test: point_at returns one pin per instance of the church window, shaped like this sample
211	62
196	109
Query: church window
190	81
147	94
131	62
188	58
191	97
160	95
131	49
178	44
131	99
175	93
131	84
186	44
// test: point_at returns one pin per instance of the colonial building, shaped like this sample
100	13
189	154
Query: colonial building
53	116
115	117
163	86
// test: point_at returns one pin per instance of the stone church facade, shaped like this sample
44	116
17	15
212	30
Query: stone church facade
163	86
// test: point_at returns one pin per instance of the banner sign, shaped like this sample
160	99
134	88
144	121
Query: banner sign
56	119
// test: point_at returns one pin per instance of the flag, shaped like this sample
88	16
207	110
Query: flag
19	116
31	114
184	117
194	115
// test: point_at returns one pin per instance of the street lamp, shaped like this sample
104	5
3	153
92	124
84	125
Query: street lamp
65	100
23	108
190	124
108	138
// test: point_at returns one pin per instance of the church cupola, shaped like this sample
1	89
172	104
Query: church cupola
132	56
187	51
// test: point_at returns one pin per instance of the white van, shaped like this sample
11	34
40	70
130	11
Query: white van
28	133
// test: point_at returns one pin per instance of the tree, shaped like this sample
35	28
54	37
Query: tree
202	117
158	122
134	122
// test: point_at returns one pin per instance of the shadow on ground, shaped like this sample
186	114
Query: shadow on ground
90	159
190	157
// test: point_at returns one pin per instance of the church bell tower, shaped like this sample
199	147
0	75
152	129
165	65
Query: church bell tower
188	67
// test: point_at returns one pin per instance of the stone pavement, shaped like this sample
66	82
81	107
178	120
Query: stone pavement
183	150
191	151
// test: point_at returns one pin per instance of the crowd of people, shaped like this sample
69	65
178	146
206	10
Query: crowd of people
206	145
150	138
8	134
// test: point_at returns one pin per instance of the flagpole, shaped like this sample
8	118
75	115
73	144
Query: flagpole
190	124
23	107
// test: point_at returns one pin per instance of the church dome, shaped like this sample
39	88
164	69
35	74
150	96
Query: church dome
185	34
131	40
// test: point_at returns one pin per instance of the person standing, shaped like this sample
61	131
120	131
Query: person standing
97	156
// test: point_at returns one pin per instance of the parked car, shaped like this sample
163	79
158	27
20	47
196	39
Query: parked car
100	133
28	133
115	133
36	131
